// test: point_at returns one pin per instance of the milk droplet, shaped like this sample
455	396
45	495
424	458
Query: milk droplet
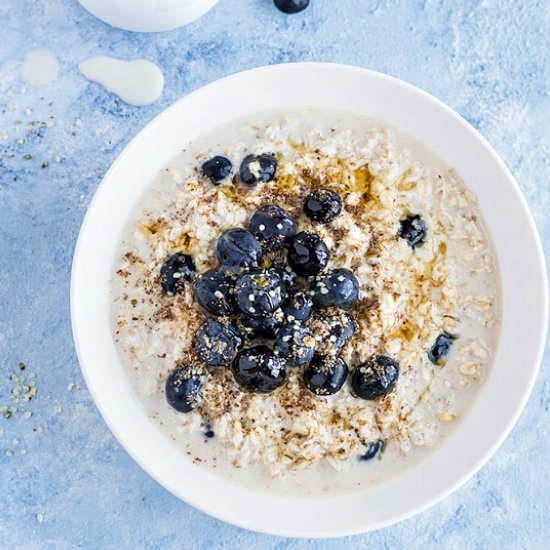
138	82
40	67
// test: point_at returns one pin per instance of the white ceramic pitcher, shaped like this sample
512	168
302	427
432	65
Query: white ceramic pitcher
147	15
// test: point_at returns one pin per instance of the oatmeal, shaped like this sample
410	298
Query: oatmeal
305	290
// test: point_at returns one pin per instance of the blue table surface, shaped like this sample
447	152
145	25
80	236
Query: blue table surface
64	480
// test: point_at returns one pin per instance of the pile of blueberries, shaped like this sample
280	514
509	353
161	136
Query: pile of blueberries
260	317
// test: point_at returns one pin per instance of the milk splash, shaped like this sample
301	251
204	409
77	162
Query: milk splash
138	82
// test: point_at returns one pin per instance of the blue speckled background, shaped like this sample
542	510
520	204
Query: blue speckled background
64	480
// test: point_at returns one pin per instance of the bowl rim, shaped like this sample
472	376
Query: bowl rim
513	416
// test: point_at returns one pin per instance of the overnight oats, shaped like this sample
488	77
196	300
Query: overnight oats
307	300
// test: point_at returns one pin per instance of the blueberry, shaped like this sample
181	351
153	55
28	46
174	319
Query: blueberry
217	342
325	375
258	369
258	168
183	387
375	377
413	230
214	293
333	331
297	307
208	430
217	169
295	343
291	6
259	292
174	272
440	347
322	205
372	449
337	288
238	250
261	327
273	227
307	254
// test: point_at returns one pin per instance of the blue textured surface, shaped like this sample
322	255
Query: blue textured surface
487	59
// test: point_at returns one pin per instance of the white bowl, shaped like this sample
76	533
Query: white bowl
524	286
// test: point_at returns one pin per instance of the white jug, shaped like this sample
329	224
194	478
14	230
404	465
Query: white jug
147	15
